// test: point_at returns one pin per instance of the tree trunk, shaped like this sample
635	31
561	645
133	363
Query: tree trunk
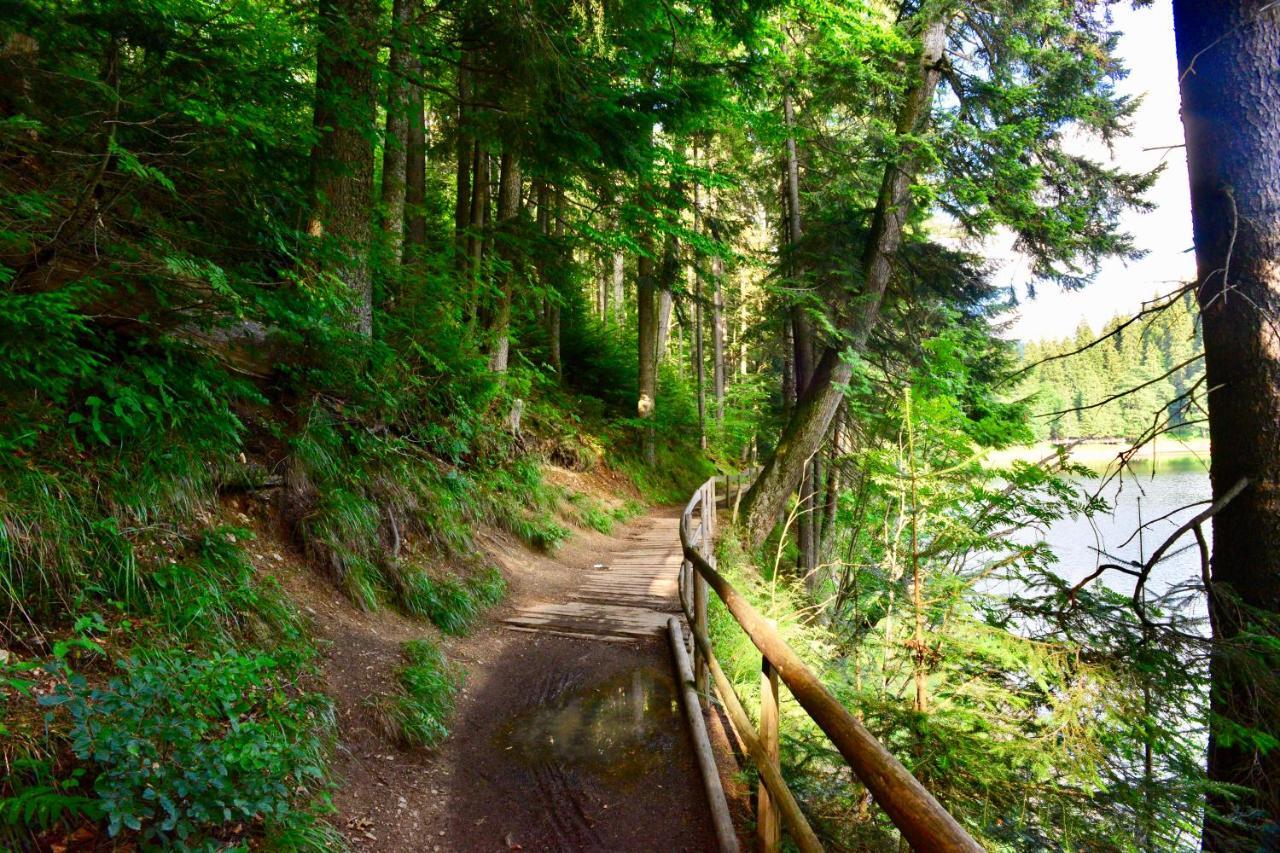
814	410
1230	90
647	347
342	158
835	474
619	288
717	335
479	208
666	305
788	365
466	163
803	342
396	139
415	167
553	298
499	331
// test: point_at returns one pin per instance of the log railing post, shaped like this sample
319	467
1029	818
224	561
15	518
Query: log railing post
768	825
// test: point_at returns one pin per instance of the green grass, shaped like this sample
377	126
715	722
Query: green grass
417	714
591	513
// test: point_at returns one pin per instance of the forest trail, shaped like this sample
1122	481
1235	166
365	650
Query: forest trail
568	734
627	597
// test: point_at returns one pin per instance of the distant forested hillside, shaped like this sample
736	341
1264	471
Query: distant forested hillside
1155	358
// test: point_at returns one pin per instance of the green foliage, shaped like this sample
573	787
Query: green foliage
39	799
179	745
417	715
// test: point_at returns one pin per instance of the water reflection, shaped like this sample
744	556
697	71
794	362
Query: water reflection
622	729
1161	499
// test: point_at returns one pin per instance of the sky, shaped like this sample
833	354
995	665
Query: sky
1146	47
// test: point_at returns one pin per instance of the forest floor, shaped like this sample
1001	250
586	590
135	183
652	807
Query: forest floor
556	743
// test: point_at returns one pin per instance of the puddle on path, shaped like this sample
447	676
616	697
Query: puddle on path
622	729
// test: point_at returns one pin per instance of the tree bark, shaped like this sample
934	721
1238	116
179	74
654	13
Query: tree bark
415	196
804	350
396	139
717	335
807	426
342	157
499	331
479	208
666	305
699	363
647	348
466	163
619	288
415	169
1230	90
553	298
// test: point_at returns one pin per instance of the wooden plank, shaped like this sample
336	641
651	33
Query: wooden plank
923	821
726	836
801	832
768	827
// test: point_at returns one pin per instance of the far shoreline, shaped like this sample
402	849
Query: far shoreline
1100	454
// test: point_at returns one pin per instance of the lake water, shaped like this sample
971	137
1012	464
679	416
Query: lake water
1171	489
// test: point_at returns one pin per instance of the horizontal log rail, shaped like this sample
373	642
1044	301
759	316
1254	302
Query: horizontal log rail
921	819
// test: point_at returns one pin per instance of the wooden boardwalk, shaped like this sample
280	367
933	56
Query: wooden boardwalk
629	599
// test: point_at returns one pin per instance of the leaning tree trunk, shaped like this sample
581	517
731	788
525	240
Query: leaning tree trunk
1230	95
396	139
342	157
807	426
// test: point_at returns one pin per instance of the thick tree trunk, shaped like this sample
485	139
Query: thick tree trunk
647	330
807	426
395	140
342	158
1230	91
499	326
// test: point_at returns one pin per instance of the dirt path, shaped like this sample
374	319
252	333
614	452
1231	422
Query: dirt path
558	743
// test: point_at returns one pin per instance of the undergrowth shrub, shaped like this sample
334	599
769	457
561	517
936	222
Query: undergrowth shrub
445	601
181	745
417	714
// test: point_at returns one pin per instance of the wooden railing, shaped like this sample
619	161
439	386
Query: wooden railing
923	822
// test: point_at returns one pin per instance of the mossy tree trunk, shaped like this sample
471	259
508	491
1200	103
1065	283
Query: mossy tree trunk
342	157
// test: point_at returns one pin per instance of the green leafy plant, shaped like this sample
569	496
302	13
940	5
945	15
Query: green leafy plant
179	745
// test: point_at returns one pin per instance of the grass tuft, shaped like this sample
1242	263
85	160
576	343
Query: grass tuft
417	714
